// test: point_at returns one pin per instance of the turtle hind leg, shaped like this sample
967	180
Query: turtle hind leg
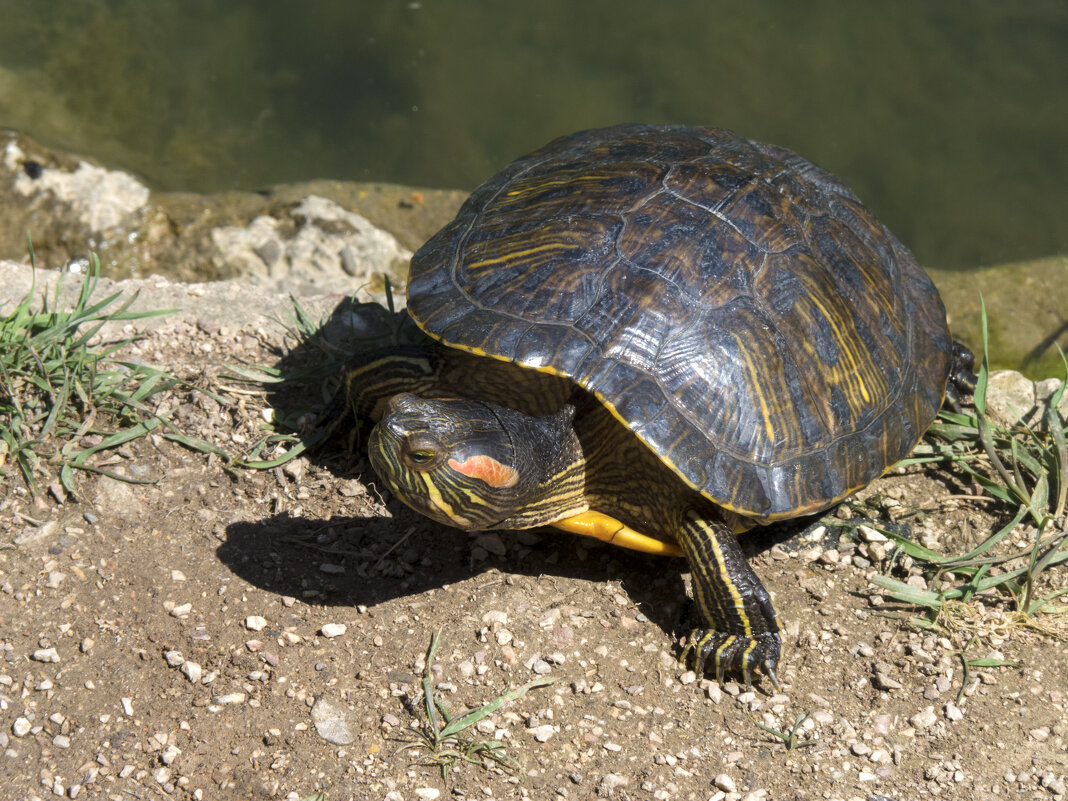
962	377
740	628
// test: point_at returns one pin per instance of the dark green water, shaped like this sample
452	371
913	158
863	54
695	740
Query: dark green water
949	118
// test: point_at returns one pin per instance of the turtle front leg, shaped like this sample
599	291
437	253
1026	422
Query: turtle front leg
741	629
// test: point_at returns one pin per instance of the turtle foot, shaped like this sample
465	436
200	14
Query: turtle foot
735	654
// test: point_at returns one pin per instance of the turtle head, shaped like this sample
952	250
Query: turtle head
464	463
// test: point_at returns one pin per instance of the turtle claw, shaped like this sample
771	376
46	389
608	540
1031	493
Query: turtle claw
736	654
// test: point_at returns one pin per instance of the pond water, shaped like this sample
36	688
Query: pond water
950	119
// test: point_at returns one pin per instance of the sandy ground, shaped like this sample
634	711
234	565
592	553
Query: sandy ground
229	633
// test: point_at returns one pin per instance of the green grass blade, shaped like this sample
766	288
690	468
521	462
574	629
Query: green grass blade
473	716
907	593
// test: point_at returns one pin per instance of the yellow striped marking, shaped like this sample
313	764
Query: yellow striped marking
725	578
441	503
537	187
754	382
844	348
608	529
519	254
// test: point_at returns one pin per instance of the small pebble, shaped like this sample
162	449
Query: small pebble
542	733
726	783
127	707
330	722
182	610
192	671
330	630
880	756
169	754
953	712
21	727
884	682
229	698
925	719
255	623
427	793
610	783
868	534
45	655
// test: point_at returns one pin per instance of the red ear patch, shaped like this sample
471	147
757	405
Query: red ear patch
487	469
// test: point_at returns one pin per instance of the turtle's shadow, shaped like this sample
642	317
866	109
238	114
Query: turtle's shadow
353	561
366	561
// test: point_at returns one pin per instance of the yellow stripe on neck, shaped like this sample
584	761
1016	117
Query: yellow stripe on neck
608	529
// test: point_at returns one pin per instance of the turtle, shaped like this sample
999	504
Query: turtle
660	336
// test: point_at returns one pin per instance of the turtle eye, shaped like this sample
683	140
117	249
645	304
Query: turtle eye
422	452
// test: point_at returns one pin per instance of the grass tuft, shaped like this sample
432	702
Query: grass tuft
64	400
790	739
443	734
1024	471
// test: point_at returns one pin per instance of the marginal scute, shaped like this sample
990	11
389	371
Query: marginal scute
735	306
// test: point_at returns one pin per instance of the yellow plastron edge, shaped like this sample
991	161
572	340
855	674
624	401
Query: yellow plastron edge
602	527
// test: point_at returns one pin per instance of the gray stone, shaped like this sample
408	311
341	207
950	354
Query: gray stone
1010	397
331	722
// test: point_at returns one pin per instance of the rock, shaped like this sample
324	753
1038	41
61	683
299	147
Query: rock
925	719
193	672
331	247
98	198
37	534
331	722
331	630
610	783
1012	398
232	699
542	733
118	498
45	655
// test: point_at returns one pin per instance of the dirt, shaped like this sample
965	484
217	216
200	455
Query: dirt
171	639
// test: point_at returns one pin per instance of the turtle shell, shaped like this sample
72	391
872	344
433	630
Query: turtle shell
733	304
